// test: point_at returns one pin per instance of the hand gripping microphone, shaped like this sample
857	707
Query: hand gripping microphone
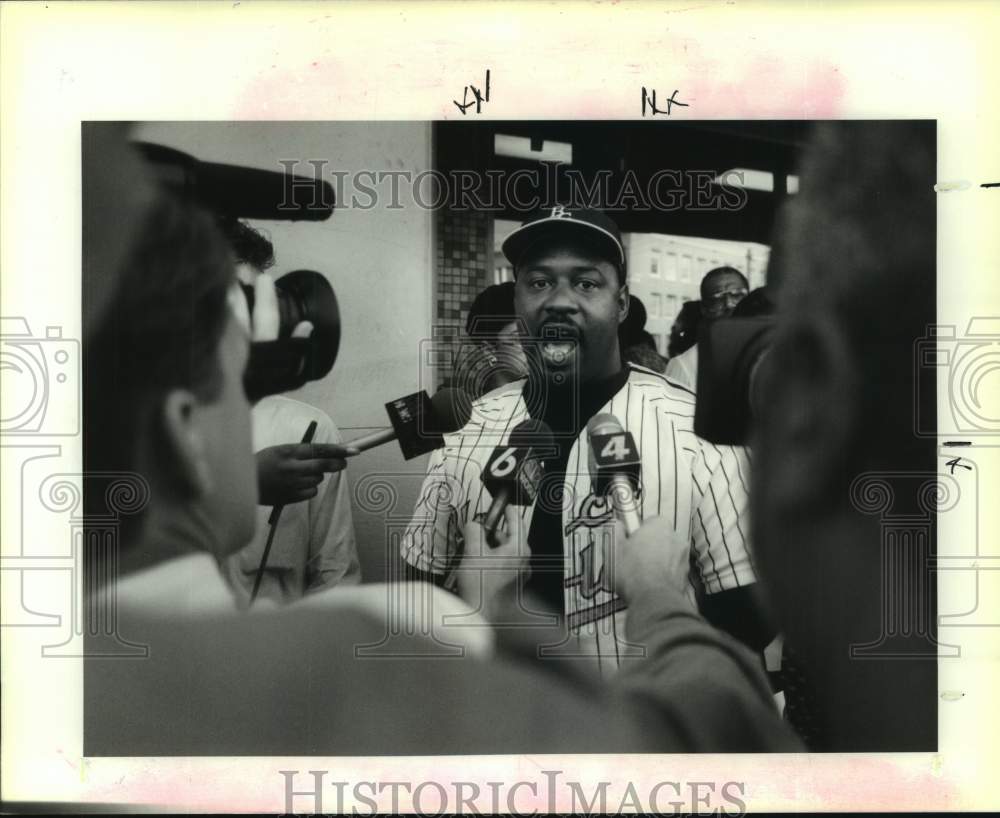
615	467
419	423
514	471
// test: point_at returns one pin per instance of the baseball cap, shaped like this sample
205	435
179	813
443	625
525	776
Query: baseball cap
559	220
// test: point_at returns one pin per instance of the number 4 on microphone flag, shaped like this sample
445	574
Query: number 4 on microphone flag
613	454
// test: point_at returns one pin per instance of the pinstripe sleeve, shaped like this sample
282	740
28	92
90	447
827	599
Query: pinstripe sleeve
431	537
719	517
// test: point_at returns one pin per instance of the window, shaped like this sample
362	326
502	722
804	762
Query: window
671	307
685	268
747	178
670	271
654	267
521	147
656	305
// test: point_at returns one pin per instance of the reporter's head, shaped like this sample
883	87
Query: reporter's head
164	391
856	287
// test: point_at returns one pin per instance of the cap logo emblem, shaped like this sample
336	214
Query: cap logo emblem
560	212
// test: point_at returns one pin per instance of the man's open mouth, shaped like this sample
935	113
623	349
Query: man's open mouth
559	344
558	353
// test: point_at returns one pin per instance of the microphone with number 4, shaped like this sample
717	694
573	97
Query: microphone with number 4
515	470
615	467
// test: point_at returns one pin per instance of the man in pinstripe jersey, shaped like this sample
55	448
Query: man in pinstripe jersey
571	293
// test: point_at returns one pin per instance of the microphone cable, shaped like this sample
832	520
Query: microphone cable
272	523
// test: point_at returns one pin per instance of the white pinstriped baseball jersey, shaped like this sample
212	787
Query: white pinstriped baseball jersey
697	489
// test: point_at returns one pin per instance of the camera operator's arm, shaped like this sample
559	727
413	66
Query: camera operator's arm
743	613
696	680
733	601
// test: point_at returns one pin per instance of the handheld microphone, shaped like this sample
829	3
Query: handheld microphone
272	522
514	471
419	423
615	467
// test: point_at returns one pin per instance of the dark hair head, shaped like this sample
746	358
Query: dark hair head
857	248
491	311
160	332
720	271
630	331
644	339
249	246
643	351
684	332
855	283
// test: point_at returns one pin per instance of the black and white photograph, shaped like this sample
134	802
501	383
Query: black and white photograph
574	439
432	408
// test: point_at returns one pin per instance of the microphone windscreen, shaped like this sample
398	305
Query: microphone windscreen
604	424
532	433
452	409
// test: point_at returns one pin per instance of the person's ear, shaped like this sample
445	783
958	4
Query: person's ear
811	411
623	303
185	442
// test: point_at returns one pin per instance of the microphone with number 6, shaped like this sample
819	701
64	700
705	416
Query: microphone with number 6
419	422
615	467
515	470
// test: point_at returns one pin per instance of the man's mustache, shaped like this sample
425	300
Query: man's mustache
558	331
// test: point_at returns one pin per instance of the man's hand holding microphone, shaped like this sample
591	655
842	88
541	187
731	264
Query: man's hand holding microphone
292	472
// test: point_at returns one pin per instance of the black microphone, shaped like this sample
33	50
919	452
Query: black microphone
615	467
514	471
419	423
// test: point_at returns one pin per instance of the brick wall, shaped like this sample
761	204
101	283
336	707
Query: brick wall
463	268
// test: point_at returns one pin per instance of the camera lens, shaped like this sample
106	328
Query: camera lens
288	363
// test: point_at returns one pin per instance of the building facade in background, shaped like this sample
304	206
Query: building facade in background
665	271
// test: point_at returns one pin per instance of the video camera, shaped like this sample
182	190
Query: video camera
732	377
235	192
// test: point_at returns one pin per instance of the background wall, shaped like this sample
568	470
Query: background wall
379	261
